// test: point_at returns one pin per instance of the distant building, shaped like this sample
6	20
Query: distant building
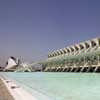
11	64
27	67
1	69
81	57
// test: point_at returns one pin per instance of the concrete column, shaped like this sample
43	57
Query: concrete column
82	69
76	69
96	68
84	65
71	69
89	68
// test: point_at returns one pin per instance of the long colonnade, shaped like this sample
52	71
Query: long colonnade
81	57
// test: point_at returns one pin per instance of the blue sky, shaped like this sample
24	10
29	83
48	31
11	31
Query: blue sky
32	28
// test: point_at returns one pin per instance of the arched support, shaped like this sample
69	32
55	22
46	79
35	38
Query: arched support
71	69
82	69
77	49
96	69
78	69
85	69
68	70
91	69
88	69
65	69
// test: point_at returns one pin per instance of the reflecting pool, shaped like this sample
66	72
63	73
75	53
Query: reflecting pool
59	86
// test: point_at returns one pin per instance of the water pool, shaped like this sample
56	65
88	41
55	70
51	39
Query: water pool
59	86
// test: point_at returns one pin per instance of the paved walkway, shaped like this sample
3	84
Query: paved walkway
17	92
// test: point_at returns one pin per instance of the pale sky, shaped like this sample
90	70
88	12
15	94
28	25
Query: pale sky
32	28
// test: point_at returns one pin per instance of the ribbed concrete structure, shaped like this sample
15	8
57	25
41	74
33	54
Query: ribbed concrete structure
81	57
